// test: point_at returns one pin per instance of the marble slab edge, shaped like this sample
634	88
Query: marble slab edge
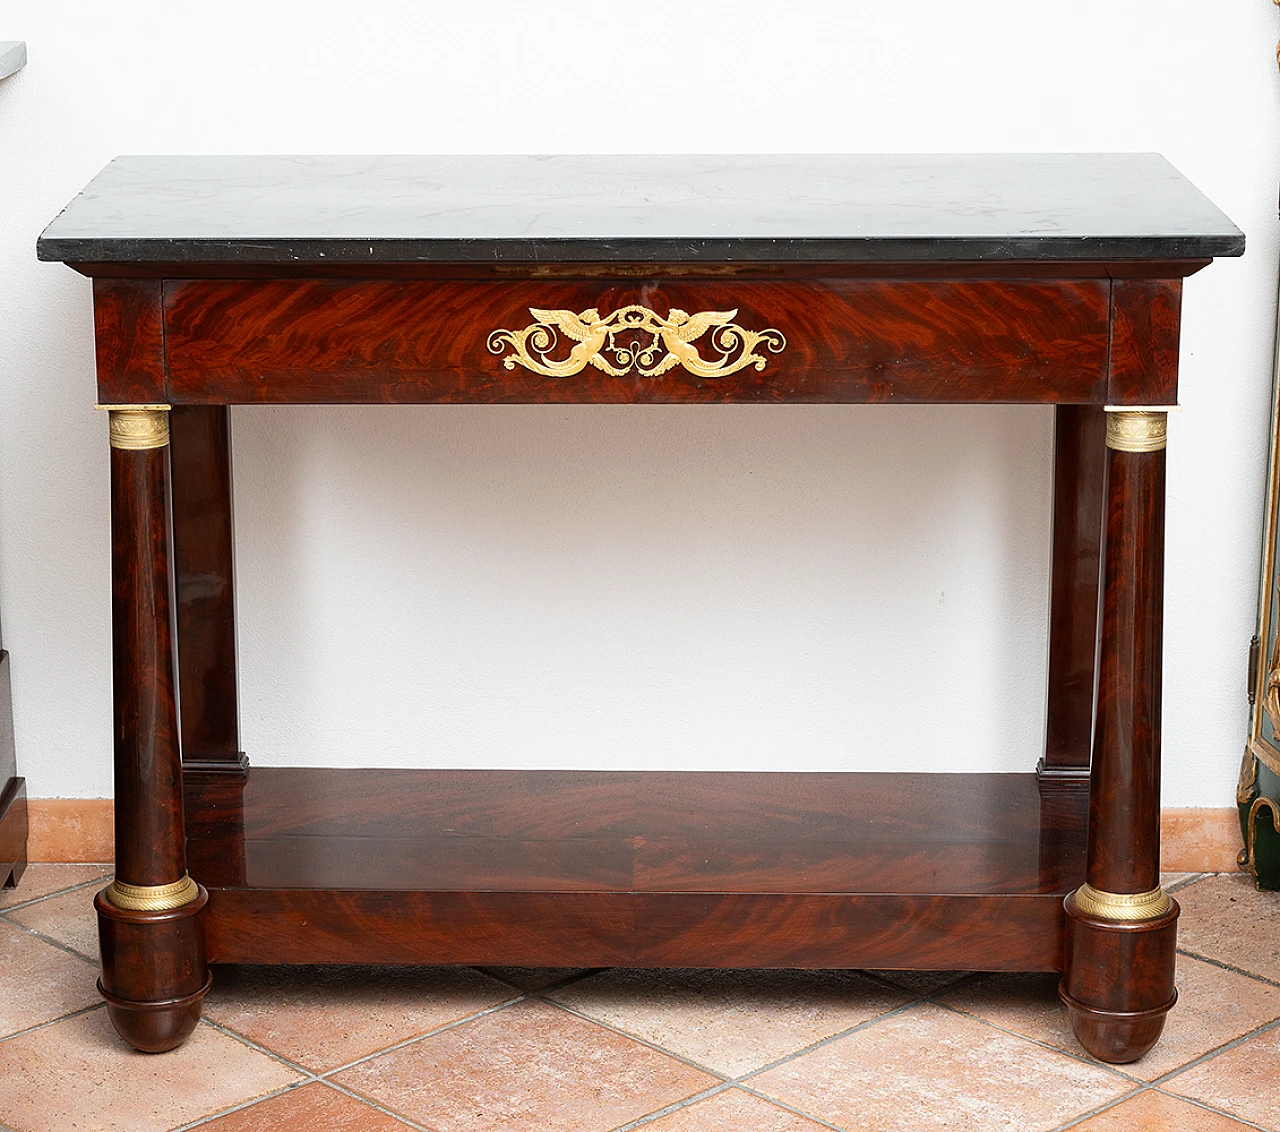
635	250
13	57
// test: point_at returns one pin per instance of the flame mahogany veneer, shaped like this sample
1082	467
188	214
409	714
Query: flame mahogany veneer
1061	285
554	868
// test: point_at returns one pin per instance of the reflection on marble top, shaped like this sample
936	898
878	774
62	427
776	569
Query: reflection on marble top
655	208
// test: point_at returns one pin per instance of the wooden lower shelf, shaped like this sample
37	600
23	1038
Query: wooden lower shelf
642	869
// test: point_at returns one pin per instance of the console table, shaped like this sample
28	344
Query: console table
1049	279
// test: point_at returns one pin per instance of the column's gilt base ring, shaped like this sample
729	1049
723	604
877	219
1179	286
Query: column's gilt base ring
152	897
1122	907
1137	430
138	427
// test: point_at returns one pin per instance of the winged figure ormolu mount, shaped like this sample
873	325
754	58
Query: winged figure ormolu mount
634	338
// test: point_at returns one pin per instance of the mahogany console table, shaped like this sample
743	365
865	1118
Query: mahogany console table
1042	279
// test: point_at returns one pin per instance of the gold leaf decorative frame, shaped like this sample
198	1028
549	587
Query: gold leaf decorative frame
634	339
1264	723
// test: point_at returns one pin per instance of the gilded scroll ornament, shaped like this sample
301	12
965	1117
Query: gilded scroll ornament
138	427
152	897
1121	906
1271	692
1271	697
634	338
1247	783
1248	858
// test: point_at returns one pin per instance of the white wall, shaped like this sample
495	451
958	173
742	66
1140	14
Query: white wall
720	587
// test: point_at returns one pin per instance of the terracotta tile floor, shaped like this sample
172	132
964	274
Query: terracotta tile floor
448	1050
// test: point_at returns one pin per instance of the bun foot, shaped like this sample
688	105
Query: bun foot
1116	1038
1117	977
154	971
155	1027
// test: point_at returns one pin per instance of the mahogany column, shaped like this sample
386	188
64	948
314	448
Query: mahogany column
1121	926
154	973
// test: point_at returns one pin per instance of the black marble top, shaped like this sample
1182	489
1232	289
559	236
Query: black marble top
638	208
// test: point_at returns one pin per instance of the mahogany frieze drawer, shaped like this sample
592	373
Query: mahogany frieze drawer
839	340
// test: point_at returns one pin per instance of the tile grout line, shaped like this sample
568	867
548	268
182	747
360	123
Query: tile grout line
724	1081
1083	1059
674	1106
574	1012
382	1108
286	1062
792	1109
310	1077
1227	966
1261	1028
208	1117
51	941
1152	1083
729	1079
1209	1108
1160	1081
420	1037
1106	1107
60	892
824	1042
52	1022
707	1094
727	1083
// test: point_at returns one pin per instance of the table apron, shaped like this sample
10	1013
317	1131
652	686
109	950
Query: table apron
288	341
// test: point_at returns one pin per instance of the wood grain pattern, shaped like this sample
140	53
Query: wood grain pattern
1124	821
517	929
1118	982
1079	463
204	587
129	339
643	868
148	774
154	971
940	932
570	868
1118	979
324	341
585	929
1145	321
566	805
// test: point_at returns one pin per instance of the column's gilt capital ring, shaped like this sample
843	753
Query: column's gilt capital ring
138	427
1137	429
152	897
1121	906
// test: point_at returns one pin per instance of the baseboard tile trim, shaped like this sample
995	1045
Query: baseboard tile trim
81	830
71	830
1199	840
